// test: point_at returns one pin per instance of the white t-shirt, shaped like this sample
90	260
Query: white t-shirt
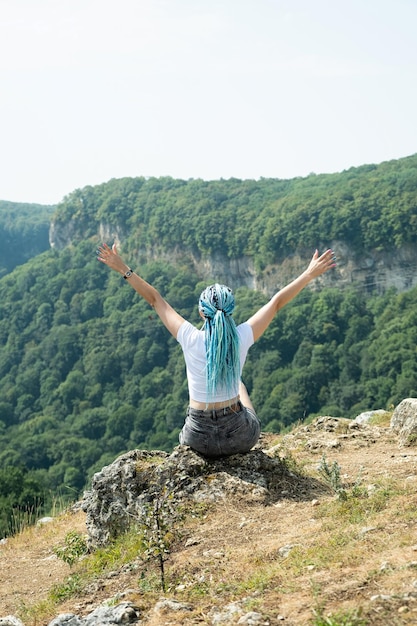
193	346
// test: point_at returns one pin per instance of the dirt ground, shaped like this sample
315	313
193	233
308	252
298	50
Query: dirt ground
379	574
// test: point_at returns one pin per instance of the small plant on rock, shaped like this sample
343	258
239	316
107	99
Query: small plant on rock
331	474
352	618
71	587
156	525
74	547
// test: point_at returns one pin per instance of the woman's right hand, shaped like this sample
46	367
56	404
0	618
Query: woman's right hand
110	257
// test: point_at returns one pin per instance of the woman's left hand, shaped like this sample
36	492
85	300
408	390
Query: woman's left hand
321	264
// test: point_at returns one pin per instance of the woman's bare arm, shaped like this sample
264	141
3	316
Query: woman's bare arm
264	316
170	318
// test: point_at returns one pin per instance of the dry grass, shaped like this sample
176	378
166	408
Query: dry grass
343	550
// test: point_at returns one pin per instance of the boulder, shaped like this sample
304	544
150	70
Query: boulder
367	416
123	613
66	619
404	421
120	492
10	620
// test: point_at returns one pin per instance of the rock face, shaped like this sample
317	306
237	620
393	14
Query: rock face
404	421
373	271
122	490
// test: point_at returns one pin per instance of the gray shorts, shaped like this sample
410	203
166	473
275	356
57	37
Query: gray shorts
220	432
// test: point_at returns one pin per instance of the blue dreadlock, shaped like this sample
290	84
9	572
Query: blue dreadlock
217	304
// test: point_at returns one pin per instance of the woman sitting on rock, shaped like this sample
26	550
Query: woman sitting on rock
220	417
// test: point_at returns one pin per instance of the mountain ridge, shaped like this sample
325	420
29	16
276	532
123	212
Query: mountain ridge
259	234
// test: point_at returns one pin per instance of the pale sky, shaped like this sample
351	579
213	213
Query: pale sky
99	89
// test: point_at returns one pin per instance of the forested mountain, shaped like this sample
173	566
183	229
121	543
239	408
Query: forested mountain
369	207
87	370
24	232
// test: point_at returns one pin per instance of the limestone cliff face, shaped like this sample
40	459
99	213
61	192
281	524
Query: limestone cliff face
372	271
376	271
63	234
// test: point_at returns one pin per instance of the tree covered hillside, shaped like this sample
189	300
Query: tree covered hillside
24	232
370	207
87	371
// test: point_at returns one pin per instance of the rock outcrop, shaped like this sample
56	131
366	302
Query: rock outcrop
123	613
404	421
122	490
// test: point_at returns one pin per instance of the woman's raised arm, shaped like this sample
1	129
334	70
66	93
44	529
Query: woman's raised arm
264	316
170	318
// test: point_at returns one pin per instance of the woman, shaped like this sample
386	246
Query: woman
220	417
